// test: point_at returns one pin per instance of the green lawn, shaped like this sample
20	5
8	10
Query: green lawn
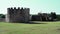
21	28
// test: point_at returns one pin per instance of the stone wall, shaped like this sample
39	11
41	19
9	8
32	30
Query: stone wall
17	14
2	19
40	17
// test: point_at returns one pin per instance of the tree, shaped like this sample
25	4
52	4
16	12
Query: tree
53	15
2	16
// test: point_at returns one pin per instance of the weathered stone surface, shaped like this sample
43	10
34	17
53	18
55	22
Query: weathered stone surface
17	15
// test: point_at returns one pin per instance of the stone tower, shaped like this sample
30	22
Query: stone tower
17	14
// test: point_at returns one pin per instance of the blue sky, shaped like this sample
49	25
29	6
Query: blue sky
44	6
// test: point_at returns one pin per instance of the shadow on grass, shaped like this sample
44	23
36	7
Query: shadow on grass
31	22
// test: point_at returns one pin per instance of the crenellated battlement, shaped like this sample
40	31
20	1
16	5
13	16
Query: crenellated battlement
14	8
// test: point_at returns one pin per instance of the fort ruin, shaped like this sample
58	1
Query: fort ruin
17	14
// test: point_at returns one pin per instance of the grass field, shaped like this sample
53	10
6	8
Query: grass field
23	28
